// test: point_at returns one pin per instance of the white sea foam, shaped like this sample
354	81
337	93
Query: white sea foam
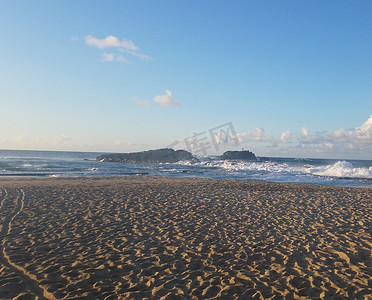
343	169
340	169
271	167
36	166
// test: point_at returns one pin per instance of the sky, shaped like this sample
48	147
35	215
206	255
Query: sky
280	78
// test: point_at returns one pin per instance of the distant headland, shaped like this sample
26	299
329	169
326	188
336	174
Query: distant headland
241	155
150	156
169	156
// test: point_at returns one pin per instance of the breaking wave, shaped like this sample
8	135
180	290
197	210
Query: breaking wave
344	169
339	169
357	173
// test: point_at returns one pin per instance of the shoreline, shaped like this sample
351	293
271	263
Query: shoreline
331	172
167	238
116	177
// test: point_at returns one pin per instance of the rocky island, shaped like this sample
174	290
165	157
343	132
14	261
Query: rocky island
243	155
150	156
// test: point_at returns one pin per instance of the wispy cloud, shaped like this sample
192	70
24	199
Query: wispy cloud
63	141
23	141
167	99
108	56
114	57
121	58
118	46
110	42
139	55
141	102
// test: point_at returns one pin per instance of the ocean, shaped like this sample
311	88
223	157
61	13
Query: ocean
348	173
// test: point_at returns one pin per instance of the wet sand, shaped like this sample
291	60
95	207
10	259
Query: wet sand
162	238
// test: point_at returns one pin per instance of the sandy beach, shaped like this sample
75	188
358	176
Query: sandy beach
169	238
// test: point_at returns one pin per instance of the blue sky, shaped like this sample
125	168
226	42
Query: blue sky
291	78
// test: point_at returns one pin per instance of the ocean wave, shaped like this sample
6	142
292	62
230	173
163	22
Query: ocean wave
37	166
55	176
268	166
344	169
340	169
356	173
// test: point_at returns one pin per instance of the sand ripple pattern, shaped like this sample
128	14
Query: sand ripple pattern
158	238
16	282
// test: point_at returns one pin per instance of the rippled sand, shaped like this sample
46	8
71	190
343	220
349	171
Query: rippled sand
159	238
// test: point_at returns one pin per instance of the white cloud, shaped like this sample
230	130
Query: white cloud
364	133
354	140
358	135
257	135
166	100
139	55
110	42
141	102
305	134
113	57
108	56
339	134
115	44
285	137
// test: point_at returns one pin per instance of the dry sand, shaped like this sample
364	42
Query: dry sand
161	238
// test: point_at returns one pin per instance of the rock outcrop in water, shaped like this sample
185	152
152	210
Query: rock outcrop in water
243	155
150	156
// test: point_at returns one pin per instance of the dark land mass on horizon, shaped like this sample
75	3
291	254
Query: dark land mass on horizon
169	156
